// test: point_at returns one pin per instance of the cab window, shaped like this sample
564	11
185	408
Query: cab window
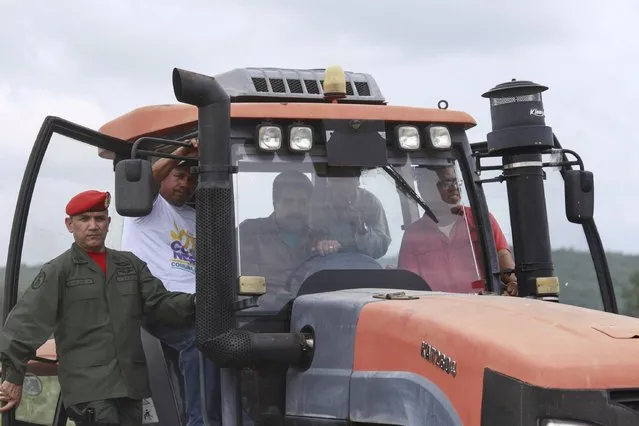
296	217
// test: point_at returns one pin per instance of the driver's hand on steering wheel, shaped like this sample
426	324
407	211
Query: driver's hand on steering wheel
325	247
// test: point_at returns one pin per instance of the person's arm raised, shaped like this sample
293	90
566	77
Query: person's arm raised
162	167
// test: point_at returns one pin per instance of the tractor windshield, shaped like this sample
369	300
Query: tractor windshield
296	217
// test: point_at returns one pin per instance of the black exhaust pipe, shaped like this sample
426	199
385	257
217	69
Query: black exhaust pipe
217	335
215	270
215	244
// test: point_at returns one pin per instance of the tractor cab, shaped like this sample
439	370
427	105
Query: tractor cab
309	183
322	193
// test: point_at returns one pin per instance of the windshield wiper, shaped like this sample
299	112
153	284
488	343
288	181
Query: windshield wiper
406	189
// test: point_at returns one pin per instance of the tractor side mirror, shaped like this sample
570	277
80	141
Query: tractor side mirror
134	187
580	195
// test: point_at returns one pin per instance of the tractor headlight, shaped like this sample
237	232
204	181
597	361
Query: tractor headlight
269	137
301	138
439	137
408	137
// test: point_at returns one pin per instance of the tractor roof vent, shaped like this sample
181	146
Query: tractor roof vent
295	85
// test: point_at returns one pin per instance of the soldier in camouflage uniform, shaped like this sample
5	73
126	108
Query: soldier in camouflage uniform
93	299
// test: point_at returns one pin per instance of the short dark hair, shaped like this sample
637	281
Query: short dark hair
290	179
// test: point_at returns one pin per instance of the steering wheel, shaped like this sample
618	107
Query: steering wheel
317	262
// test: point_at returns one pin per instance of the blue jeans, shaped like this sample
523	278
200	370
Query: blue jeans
182	339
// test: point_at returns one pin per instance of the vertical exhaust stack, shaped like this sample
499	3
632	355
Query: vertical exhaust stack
217	335
215	242
520	136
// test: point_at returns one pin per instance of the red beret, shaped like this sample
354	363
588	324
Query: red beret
88	201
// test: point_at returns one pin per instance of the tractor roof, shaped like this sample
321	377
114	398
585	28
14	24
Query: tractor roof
159	119
276	93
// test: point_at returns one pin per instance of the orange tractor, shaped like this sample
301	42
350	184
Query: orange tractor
353	337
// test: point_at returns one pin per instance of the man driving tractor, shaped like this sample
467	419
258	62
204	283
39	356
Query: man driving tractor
273	246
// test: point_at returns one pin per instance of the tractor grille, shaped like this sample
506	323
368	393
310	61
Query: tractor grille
314	87
284	83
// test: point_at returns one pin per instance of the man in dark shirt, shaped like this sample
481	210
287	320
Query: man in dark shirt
275	245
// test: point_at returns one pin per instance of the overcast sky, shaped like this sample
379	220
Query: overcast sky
89	63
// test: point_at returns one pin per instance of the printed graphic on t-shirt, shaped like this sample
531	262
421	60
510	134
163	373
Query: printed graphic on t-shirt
183	246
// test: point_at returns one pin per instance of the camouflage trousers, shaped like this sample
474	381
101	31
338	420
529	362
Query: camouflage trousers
119	411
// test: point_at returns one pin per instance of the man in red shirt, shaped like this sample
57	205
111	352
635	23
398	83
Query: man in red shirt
447	254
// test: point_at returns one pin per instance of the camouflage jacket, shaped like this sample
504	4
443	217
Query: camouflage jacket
95	321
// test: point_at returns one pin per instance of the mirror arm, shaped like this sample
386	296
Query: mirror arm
578	162
166	155
159	141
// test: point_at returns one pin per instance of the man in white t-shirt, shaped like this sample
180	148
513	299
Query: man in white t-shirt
165	240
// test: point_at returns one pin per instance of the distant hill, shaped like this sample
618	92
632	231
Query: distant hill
574	269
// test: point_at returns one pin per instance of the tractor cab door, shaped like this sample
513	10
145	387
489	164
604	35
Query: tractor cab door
67	159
